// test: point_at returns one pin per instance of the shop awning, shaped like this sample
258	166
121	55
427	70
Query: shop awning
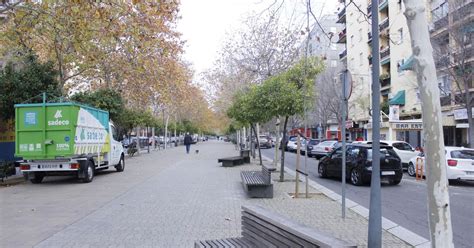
398	99
407	65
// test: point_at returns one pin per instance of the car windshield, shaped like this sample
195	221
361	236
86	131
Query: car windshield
463	154
293	139
384	152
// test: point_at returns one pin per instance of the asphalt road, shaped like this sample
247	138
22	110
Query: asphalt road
406	203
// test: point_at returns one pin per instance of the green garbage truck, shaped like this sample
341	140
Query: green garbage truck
65	139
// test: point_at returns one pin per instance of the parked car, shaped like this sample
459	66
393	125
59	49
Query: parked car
312	143
292	144
288	140
359	164
265	141
324	148
459	163
404	150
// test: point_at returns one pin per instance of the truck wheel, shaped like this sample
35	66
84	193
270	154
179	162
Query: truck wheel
89	172
38	178
121	165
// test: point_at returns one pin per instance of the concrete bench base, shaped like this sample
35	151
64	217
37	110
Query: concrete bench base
231	161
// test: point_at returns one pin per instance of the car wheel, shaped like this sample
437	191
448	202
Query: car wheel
322	171
356	177
38	178
411	170
121	165
89	172
395	181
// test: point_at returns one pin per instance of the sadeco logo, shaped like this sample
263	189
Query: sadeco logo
58	122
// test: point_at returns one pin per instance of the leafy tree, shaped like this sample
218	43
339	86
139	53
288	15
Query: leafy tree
23	81
105	99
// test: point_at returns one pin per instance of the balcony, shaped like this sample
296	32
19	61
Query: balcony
342	36
440	26
383	25
383	5
384	80
385	56
445	100
369	35
464	11
342	16
343	54
442	62
369	9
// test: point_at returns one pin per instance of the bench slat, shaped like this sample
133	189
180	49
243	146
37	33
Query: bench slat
283	236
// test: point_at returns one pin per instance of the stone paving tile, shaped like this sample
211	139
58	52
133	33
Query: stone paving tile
196	199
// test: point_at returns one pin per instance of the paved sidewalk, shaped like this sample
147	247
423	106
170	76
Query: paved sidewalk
195	198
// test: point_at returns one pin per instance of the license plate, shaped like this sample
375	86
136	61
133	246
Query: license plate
470	172
388	173
48	166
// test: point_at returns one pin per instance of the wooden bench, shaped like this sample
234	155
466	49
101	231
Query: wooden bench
231	161
258	183
262	228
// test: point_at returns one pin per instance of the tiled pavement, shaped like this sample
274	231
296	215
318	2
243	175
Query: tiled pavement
194	198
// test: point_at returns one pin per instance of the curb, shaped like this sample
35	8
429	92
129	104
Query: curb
395	229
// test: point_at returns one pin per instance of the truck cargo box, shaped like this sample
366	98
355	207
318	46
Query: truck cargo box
55	130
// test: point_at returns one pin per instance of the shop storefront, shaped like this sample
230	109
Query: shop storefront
410	131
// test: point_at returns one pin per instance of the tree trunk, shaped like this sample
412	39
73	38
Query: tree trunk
439	213
283	148
470	120
258	144
165	141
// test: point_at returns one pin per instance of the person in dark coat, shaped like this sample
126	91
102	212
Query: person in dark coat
187	142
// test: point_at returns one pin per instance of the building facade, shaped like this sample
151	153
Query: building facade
451	29
401	105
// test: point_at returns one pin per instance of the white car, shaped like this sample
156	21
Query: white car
293	144
404	150
459	163
324	148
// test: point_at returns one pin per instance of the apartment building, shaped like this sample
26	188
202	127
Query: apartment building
451	29
401	106
322	43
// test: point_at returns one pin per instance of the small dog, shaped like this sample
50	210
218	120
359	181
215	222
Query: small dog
197	151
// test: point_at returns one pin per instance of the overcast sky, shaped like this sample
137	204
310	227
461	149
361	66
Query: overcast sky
204	24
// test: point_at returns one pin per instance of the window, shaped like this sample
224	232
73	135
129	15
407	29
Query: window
360	34
444	85
361	58
463	154
400	34
352	40
402	146
333	63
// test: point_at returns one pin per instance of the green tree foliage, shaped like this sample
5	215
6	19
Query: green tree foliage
105	99
22	81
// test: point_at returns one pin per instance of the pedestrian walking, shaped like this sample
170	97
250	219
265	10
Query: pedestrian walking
187	142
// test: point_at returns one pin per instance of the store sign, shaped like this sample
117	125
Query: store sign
407	126
394	113
461	114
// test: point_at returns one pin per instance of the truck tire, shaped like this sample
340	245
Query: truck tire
121	165
89	172
38	178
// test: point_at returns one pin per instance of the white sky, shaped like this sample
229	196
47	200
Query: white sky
204	24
